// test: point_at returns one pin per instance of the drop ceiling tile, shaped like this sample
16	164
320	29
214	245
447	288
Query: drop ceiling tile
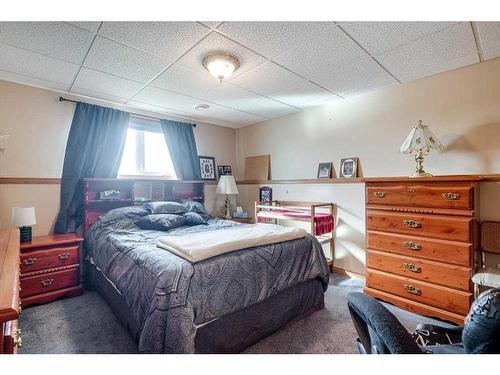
215	43
377	37
156	108
305	95
92	26
185	81
233	116
356	77
316	58
163	98
168	40
448	49
115	58
237	98
271	39
20	61
107	84
98	95
489	38
30	81
491	53
211	24
267	78
55	39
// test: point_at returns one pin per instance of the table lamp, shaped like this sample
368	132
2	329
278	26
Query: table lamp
420	142
227	186
23	218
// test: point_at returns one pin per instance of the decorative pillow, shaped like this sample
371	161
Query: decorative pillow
165	208
193	218
193	206
160	222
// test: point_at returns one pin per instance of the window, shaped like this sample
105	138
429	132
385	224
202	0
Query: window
146	152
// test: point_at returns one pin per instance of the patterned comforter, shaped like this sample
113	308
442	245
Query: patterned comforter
170	297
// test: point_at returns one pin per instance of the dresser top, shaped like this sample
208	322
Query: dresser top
450	178
52	239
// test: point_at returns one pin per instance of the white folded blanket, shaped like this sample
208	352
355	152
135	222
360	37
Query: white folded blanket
200	246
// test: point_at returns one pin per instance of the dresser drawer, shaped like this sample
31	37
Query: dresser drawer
433	295
458	253
434	226
420	194
433	272
12	340
51	258
48	282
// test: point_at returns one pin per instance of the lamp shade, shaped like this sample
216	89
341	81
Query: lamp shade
227	185
23	216
420	139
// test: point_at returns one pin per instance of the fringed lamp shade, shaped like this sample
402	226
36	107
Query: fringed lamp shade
420	142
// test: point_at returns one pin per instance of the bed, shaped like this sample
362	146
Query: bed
220	305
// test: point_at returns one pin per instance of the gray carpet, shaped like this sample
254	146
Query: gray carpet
85	324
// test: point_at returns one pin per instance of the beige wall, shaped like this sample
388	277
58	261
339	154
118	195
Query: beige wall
38	125
462	108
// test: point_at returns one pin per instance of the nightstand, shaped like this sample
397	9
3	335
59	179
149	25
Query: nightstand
50	268
243	220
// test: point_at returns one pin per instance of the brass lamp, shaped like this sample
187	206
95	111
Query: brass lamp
227	186
420	142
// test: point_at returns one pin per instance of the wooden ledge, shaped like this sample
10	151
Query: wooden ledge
303	181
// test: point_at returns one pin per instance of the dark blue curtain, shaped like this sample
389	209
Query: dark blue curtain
182	147
94	149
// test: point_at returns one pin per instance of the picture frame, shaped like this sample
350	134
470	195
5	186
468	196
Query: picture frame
207	167
349	168
224	170
325	169
266	195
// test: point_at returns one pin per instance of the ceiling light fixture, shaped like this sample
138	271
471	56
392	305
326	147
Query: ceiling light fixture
221	65
202	107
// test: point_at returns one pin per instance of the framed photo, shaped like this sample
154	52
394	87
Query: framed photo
207	167
325	170
349	167
266	194
224	170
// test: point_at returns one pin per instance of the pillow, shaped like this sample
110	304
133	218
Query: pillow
160	222
193	206
165	208
129	212
193	218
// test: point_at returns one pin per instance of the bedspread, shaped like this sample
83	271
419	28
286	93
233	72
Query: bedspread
170	297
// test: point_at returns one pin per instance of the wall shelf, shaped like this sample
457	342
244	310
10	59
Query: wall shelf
303	181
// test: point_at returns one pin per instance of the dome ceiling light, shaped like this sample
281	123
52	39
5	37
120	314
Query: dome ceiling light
202	107
221	65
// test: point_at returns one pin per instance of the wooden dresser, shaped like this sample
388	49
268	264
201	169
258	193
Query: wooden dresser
50	268
10	304
421	239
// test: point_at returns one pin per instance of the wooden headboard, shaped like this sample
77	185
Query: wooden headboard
134	192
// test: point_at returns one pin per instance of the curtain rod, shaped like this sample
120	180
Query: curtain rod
61	99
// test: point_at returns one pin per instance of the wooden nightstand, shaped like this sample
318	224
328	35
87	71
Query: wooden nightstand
50	268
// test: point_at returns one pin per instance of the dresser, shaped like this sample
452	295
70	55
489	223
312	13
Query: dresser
50	268
10	304
421	240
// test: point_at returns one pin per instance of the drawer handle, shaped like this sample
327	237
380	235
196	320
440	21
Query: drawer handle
411	223
29	261
411	245
47	282
412	290
379	194
63	256
450	196
17	339
412	267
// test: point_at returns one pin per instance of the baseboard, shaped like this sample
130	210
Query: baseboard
351	274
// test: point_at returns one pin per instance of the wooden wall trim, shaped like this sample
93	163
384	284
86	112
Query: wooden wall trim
30	181
57	181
